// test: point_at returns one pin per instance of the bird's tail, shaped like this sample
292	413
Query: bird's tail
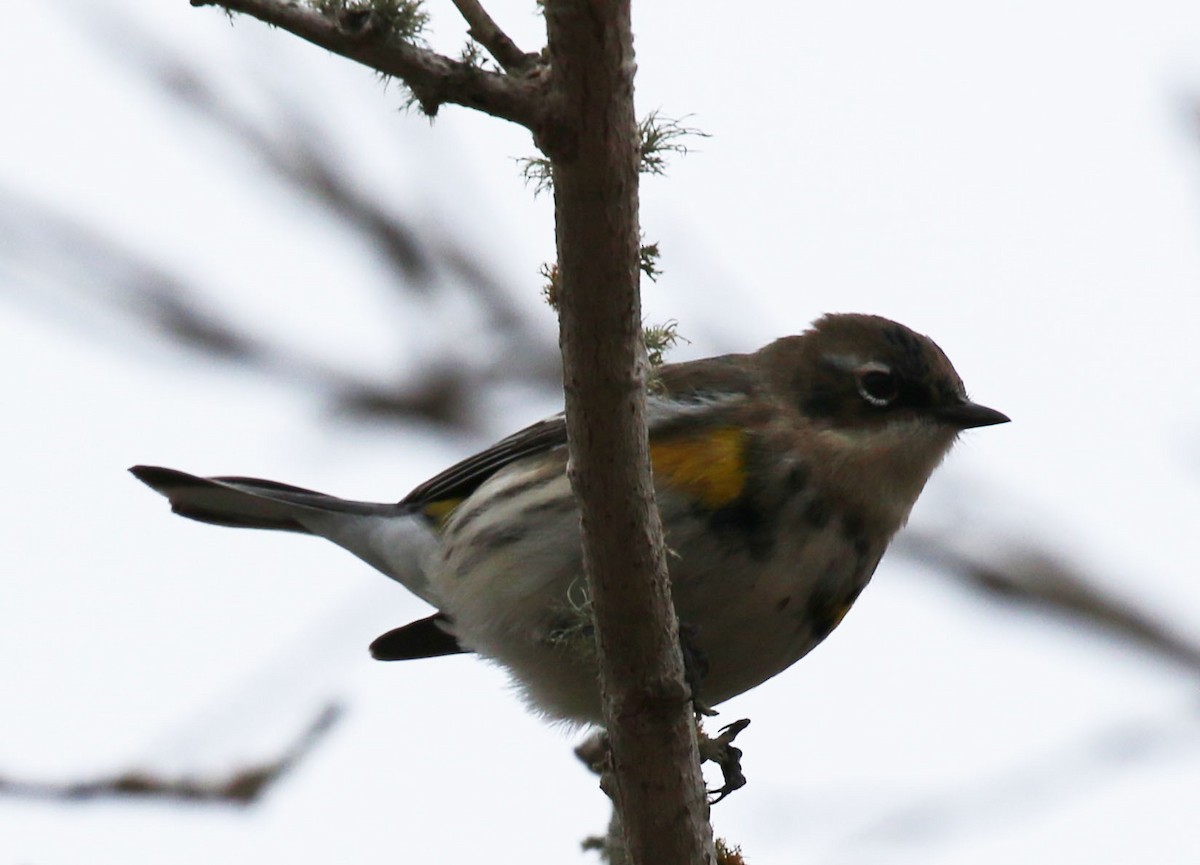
386	536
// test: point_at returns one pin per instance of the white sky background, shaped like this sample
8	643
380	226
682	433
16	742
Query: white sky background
1020	182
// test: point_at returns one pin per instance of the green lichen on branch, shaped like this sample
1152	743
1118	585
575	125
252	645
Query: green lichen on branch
729	855
473	56
659	339
660	138
536	172
648	256
402	19
549	272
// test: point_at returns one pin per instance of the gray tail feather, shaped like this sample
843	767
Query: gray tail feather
389	537
247	502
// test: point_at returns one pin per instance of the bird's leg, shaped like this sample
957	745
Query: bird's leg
695	667
596	750
720	750
596	753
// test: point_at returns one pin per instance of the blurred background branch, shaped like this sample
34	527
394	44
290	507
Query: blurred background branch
243	785
1031	578
80	275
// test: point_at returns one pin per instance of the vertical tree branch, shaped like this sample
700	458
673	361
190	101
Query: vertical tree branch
594	155
580	111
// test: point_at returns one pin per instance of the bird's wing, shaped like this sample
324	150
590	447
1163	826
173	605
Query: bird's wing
441	493
684	397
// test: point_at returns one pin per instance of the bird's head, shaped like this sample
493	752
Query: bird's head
885	399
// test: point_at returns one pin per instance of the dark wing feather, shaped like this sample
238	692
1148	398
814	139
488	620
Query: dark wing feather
696	382
463	478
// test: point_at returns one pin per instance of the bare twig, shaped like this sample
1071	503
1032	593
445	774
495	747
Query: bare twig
296	155
124	285
1042	580
487	33
242	787
433	78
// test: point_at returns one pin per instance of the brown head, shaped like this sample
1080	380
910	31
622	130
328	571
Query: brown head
853	370
884	401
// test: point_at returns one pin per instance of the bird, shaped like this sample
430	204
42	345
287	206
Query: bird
780	475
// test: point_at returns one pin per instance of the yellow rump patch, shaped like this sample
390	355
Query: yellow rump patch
438	512
709	465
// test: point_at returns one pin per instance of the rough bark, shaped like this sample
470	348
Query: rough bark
433	78
656	780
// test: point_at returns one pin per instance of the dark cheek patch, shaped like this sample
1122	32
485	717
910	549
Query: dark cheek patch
821	404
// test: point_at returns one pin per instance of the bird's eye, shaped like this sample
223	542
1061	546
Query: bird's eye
878	387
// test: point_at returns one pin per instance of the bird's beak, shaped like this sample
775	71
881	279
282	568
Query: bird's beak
967	415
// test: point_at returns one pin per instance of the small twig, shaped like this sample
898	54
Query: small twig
294	156
484	30
242	787
100	274
1043	581
433	78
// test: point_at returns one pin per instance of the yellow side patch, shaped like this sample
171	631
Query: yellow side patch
710	465
438	512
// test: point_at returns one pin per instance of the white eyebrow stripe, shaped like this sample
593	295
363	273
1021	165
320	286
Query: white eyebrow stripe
854	363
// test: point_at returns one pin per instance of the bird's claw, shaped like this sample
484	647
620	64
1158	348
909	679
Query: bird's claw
720	750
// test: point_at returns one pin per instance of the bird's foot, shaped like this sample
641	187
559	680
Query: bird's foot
720	750
596	753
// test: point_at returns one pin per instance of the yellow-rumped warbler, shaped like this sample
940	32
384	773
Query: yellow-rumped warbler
781	476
